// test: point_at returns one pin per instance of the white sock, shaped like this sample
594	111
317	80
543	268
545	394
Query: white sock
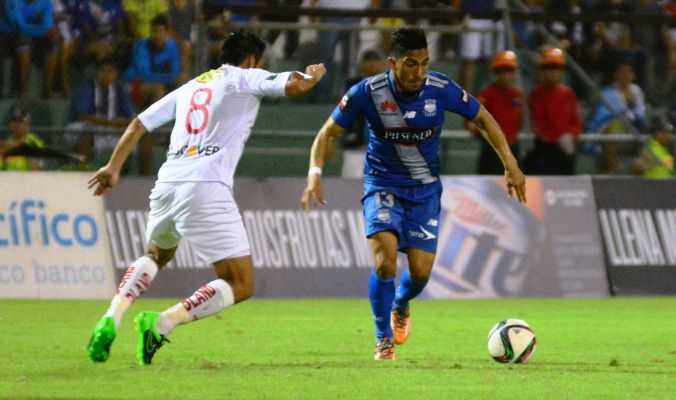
208	300
134	282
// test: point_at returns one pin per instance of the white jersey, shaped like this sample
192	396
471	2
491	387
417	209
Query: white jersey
214	114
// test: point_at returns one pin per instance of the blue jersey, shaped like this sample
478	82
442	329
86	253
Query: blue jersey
404	130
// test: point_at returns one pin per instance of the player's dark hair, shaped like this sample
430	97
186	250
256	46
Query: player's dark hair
160	20
240	45
408	39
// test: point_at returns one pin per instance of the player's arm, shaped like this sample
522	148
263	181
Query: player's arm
299	84
490	130
106	178
155	116
322	148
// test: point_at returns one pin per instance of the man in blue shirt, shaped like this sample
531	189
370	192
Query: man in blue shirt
404	108
156	64
99	106
27	28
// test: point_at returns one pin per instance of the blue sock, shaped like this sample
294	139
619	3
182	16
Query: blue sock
407	290
381	294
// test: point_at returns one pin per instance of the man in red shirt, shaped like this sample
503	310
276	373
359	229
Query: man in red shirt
555	119
505	102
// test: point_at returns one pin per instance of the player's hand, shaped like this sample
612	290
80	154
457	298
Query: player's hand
313	193
104	180
316	71
516	183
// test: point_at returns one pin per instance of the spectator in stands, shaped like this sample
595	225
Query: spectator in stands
505	102
27	29
477	46
355	138
99	104
526	34
67	16
627	103
555	119
652	38
615	41
573	38
329	40
140	14
155	65
19	134
669	41
103	30
218	17
292	35
656	160
182	15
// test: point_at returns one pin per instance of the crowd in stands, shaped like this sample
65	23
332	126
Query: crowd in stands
113	58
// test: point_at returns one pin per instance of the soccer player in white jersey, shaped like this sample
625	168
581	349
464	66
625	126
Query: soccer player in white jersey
192	198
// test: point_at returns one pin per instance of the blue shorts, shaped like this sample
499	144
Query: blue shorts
412	213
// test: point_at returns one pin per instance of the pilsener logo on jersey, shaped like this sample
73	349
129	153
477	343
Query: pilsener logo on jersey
176	152
407	135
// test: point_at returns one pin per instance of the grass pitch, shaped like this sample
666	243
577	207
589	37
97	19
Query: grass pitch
619	348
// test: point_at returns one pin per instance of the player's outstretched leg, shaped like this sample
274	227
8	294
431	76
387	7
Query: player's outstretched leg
134	282
381	294
153	328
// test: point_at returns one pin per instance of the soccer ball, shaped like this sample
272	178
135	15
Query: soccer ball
511	341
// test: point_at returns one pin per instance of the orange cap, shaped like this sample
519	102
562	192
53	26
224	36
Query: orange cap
504	60
552	57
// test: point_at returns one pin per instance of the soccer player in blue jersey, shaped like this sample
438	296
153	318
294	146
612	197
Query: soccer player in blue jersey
404	108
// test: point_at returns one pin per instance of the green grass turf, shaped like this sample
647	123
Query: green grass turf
322	349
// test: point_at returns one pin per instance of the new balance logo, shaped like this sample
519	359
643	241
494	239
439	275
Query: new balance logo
433	222
409	114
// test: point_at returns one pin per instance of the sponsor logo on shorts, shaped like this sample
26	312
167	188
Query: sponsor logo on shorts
384	216
424	234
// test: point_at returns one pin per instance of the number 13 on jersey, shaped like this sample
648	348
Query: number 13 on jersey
198	115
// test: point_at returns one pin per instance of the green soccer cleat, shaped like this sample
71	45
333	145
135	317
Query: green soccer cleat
149	339
98	349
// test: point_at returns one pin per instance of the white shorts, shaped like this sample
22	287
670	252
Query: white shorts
203	213
476	45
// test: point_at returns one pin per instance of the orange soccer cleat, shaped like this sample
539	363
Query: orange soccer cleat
384	349
401	324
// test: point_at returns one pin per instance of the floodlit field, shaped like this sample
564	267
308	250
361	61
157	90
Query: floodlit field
322	349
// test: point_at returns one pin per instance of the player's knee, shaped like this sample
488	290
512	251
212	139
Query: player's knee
420	277
386	267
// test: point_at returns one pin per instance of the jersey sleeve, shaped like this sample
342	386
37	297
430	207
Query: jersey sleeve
265	83
460	102
161	112
351	106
